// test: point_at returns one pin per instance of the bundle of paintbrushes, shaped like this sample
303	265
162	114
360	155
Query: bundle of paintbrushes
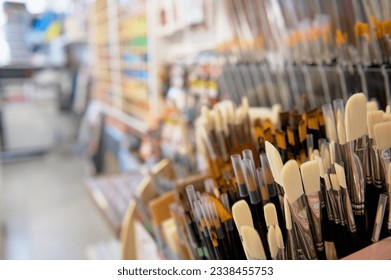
316	187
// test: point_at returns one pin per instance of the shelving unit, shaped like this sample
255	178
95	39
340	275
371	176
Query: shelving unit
121	59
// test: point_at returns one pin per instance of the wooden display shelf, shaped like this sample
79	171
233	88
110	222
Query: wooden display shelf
112	194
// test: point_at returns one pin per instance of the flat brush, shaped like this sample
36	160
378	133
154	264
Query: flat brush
355	124
276	196
281	144
252	244
383	142
353	241
233	234
341	223
272	241
311	182
256	203
262	186
291	243
242	217
375	184
290	176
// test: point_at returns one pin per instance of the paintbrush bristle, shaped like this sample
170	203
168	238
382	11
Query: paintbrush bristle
290	176
270	214
341	132
356	117
287	212
388	109
334	182
373	118
280	239
242	214
383	135
252	243
275	162
272	241
341	175
372	105
310	176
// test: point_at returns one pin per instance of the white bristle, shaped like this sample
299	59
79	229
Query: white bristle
388	109
332	152
341	175
315	154
232	111
224	118
252	243
218	121
386	117
270	214
331	131
321	167
356	116
239	115
290	176
212	119
373	118
334	182
310	176
245	104
383	135
327	182
242	215
280	239
287	212
372	105
341	132
272	241
205	113
274	158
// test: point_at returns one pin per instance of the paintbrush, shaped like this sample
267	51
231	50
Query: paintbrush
291	243
290	176
242	217
233	233
240	178
383	142
311	182
252	244
355	124
256	203
353	242
272	241
281	144
374	190
263	189
276	196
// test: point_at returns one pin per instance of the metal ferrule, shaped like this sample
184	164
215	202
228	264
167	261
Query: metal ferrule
334	208
299	215
369	164
291	246
356	181
338	202
315	212
348	210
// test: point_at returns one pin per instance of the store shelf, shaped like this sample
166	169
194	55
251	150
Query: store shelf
112	195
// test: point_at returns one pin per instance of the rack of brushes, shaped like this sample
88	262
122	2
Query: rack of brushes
284	185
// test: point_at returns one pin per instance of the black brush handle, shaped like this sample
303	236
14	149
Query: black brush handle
361	224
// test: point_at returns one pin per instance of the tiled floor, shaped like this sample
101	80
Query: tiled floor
47	210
